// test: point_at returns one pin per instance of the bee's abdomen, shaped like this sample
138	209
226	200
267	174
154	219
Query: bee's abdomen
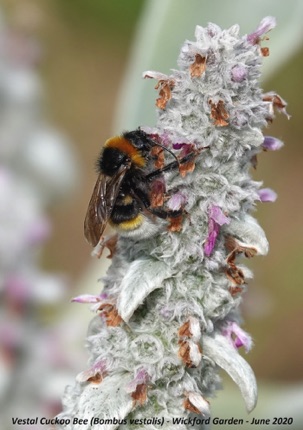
126	215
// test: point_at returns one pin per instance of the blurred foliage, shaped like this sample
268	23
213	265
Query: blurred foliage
278	277
114	17
85	47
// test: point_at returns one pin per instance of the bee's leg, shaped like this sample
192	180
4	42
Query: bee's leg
158	211
165	213
108	242
168	168
141	195
175	218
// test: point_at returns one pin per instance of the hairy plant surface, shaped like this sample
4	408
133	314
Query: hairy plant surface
168	316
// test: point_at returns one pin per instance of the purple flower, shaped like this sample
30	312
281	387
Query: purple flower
177	201
237	336
142	377
272	143
238	73
267	24
94	373
86	298
90	298
186	148
178	145
165	139
218	216
216	219
267	195
213	231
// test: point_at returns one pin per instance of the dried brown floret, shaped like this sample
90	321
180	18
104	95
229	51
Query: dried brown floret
110	314
175	223
218	113
198	66
275	102
140	394
165	88
158	153
184	330
157	193
265	52
235	274
235	290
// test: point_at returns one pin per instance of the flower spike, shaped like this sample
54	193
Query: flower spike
171	316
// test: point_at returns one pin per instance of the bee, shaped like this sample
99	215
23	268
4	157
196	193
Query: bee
122	194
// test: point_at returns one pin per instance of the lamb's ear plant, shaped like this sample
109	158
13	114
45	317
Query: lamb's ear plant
168	316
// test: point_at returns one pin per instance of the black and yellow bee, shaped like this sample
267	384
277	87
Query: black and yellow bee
122	194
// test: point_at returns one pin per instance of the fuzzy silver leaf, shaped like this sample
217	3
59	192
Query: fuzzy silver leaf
249	233
222	352
95	402
143	277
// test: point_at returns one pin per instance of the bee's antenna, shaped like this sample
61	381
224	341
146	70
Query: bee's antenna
168	150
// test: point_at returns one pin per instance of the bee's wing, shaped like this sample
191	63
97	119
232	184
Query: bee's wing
101	204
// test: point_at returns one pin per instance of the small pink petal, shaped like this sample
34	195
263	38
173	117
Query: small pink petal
267	24
243	339
238	73
178	145
142	377
237	336
186	148
215	221
211	238
177	201
165	139
218	216
267	195
97	368
272	143
86	298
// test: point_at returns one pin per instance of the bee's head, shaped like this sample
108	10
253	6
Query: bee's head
139	139
144	142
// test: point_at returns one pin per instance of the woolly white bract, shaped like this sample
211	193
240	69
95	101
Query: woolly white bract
169	311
